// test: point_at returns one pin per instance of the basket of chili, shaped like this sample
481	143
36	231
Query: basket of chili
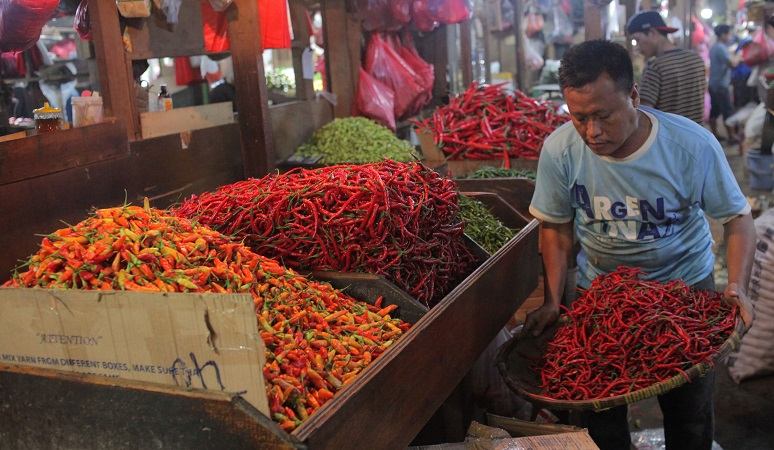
621	343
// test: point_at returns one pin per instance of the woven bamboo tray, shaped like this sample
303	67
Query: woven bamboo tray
513	363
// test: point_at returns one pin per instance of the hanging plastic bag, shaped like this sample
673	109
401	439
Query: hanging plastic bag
375	100
134	8
454	11
759	50
215	29
424	15
377	15
563	29
533	23
220	5
171	9
21	22
400	10
424	70
383	63
275	23
82	21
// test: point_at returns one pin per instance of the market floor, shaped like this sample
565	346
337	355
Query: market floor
743	412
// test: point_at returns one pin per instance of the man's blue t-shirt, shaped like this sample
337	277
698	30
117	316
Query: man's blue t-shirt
646	210
720	72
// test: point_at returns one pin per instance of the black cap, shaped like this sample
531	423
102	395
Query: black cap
647	20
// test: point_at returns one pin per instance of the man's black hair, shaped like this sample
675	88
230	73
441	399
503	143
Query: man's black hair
722	29
584	63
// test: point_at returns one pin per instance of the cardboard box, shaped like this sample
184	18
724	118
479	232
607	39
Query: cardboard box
202	341
506	433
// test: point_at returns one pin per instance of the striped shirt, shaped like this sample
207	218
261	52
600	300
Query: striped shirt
676	82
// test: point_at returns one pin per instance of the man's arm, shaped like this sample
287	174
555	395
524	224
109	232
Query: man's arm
739	235
557	248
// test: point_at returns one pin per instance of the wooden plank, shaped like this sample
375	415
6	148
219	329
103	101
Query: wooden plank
72	410
162	123
38	206
115	70
153	38
46	153
244	33
166	171
466	53
389	402
592	19
304	87
294	123
342	60
522	74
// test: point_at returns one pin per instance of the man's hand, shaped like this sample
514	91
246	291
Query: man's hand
736	296
540	319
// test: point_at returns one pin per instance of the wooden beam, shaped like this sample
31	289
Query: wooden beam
592	18
244	33
522	77
115	69
466	53
304	87
341	34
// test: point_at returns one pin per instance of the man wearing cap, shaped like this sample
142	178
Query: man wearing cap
675	80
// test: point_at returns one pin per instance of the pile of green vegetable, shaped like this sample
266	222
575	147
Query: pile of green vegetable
355	140
482	226
500	172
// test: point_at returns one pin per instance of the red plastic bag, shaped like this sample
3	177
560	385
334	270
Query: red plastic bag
383	63
375	100
533	23
759	50
215	29
377	15
21	22
424	70
401	10
82	21
424	14
453	11
275	23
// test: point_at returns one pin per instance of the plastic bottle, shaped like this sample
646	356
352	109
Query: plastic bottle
165	100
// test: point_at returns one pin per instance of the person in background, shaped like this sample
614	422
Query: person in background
721	63
675	79
634	185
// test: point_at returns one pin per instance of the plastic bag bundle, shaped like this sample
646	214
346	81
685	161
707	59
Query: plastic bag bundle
82	21
21	22
385	64
375	100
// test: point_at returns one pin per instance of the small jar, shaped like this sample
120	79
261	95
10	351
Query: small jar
48	119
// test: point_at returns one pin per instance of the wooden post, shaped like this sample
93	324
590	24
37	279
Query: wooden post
466	53
304	87
341	33
592	19
115	69
244	33
522	77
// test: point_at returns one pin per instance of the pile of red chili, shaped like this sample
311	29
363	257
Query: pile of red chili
399	220
317	338
626	334
486	122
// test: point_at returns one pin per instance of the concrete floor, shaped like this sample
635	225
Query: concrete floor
744	413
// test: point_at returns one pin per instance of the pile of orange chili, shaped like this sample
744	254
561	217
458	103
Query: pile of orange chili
317	338
625	334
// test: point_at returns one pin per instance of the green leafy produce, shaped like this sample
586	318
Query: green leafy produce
483	227
499	172
356	140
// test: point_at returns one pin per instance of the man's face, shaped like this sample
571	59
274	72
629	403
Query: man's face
603	116
646	42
